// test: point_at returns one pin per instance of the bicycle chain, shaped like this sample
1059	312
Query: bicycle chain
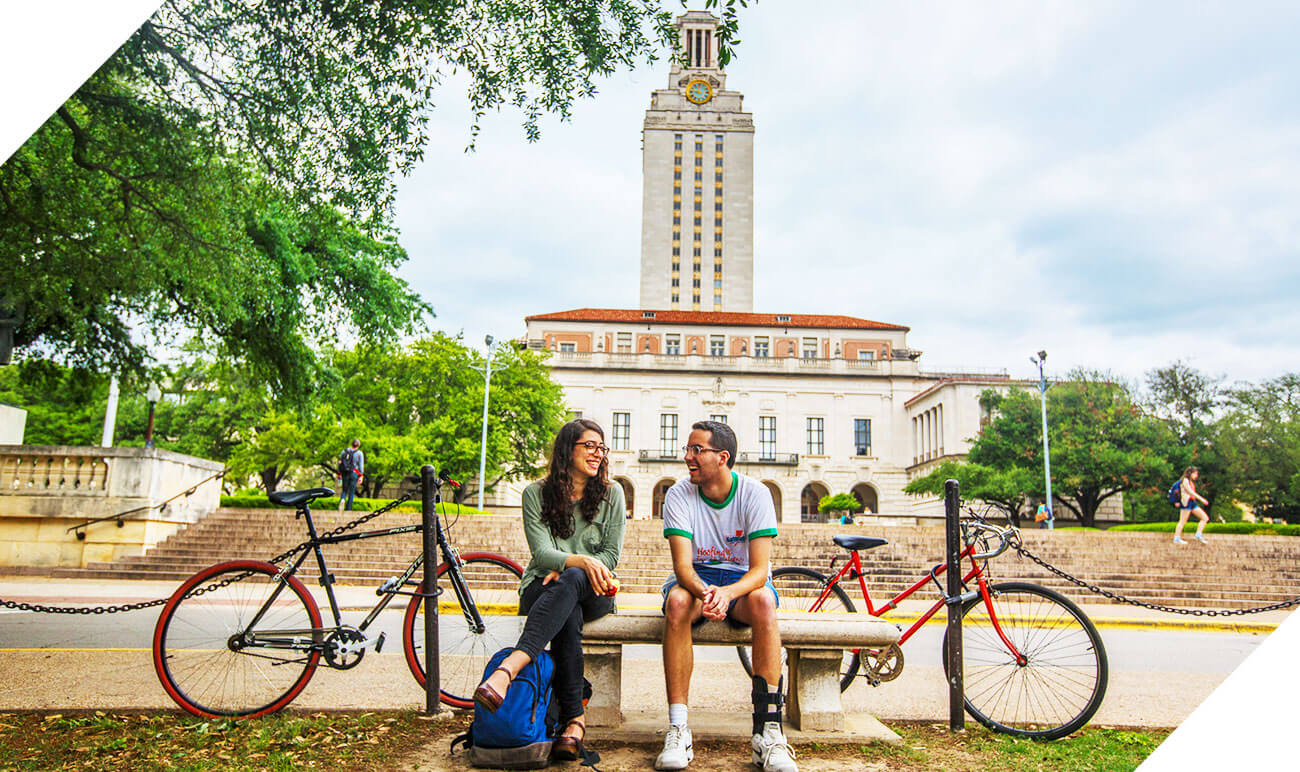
38	608
1153	606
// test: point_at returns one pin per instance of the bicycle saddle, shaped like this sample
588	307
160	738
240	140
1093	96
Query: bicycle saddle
294	498
858	542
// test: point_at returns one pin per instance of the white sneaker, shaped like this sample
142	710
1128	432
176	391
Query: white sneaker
771	752
678	751
1199	538
1178	541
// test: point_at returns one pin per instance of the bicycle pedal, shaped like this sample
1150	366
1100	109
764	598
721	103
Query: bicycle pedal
379	643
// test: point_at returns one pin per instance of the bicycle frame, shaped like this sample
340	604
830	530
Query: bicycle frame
388	590
853	570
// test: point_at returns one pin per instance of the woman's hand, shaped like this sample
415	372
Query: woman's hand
550	577
597	573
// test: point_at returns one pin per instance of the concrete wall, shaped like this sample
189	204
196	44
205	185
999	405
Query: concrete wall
45	490
13	422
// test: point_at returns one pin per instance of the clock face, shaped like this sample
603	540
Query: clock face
699	91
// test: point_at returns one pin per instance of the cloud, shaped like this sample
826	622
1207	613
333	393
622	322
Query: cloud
1119	184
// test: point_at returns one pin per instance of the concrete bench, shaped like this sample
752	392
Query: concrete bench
814	645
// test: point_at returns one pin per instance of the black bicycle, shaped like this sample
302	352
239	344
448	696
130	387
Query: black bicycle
242	638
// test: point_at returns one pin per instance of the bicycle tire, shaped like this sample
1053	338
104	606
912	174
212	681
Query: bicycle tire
463	652
196	649
1063	681
798	588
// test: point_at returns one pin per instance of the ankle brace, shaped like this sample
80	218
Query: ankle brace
767	704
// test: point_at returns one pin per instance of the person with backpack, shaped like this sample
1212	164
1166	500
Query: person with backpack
1190	502
352	466
573	522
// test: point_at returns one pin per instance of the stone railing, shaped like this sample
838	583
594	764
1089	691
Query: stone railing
50	494
602	360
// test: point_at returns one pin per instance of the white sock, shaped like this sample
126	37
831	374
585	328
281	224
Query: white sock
677	714
1200	529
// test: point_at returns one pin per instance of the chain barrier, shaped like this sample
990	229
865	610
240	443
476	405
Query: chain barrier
215	585
1024	553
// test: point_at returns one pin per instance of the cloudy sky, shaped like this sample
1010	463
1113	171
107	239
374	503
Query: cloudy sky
1116	183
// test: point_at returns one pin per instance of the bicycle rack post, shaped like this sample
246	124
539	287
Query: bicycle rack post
952	538
429	512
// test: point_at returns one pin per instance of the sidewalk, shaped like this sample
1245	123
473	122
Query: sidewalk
1158	694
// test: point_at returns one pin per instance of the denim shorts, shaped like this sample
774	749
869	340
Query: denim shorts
718	577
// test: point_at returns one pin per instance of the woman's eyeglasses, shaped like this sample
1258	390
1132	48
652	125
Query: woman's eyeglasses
592	445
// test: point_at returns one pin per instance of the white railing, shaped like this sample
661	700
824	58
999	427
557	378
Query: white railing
36	471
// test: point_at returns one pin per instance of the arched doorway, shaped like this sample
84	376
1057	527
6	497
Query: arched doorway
775	490
867	499
812	494
657	501
629	497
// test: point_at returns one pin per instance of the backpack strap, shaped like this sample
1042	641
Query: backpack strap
466	739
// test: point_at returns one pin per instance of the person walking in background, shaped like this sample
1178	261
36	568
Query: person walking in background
352	467
1191	502
573	521
1044	517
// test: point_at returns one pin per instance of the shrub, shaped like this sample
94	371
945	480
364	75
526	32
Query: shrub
1267	529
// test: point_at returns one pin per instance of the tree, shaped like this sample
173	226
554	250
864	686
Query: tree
65	406
840	502
229	171
1102	444
1005	489
1260	443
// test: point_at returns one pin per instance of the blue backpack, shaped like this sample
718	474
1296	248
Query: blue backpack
520	733
1176	493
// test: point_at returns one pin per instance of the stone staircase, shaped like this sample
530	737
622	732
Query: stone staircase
1231	572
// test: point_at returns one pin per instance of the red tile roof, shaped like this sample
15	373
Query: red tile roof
713	318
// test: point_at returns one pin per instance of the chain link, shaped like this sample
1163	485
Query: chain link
214	586
1153	606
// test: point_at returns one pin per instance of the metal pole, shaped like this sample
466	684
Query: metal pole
482	446
110	414
1047	456
952	537
429	512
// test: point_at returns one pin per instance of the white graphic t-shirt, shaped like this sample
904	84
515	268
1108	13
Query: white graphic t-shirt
720	531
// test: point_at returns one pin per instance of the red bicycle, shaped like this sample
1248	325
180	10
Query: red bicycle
1033	662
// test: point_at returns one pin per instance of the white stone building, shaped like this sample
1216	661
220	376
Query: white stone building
821	404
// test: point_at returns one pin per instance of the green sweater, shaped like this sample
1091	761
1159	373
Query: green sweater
602	538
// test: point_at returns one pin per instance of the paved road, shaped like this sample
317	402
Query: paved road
1159	672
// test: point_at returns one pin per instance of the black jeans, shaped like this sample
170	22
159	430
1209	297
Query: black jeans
349	489
556	612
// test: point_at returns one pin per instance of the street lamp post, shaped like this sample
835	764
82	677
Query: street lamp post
153	394
486	369
1047	457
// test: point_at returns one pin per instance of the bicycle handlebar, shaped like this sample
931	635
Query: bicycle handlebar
973	527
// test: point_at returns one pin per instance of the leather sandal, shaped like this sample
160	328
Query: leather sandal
487	698
568	747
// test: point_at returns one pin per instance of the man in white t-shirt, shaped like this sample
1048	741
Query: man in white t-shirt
720	526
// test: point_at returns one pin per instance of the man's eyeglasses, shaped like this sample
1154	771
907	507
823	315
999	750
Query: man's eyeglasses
592	445
695	450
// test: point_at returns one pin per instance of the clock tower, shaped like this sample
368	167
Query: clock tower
697	207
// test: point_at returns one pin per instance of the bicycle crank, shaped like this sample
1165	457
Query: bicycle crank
881	665
345	647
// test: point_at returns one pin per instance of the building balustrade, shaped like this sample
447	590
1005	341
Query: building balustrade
616	360
743	457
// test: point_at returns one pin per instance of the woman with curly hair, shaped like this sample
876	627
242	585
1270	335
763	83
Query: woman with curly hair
573	520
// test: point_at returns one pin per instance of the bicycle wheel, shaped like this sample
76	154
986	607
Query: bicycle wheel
1063	679
209	659
464	649
799	588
